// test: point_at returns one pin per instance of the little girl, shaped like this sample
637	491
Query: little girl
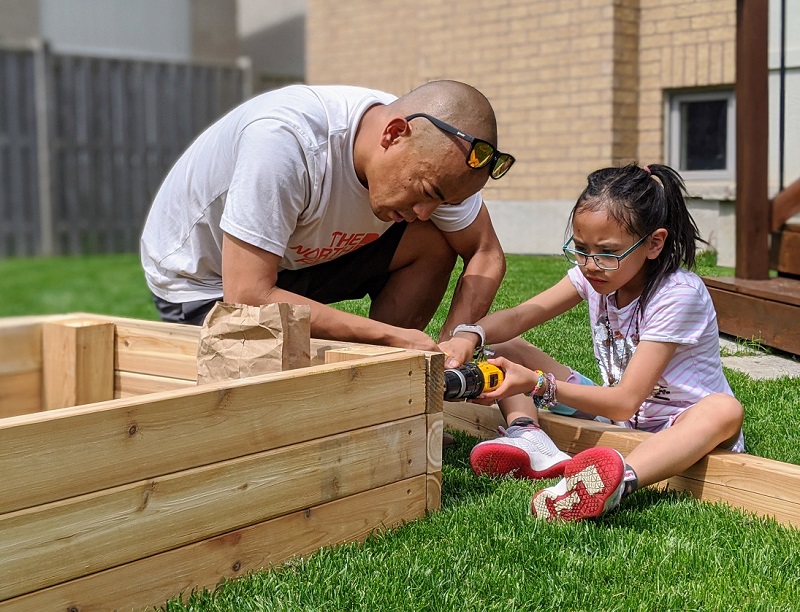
656	342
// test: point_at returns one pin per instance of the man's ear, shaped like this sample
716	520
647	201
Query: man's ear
656	242
395	129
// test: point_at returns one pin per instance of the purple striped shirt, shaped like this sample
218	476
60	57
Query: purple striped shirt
679	310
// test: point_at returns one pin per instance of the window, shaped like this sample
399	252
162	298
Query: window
701	143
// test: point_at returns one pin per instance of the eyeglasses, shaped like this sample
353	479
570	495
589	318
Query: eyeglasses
480	154
604	261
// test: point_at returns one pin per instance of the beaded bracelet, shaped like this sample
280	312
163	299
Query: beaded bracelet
534	393
548	398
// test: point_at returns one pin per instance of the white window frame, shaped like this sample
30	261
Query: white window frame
673	131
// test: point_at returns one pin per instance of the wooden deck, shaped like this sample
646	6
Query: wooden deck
767	311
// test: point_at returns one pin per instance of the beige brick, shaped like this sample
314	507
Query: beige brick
689	37
678	78
729	62
660	14
703	64
722	34
709	22
666	67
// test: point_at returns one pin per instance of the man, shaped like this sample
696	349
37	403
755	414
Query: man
313	195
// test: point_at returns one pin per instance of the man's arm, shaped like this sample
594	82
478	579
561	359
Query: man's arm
484	268
250	274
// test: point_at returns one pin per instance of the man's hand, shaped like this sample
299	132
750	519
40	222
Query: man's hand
459	350
414	339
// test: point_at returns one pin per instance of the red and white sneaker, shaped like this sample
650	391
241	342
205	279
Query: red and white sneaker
522	452
592	485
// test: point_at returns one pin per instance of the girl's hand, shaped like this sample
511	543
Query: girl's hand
518	379
457	350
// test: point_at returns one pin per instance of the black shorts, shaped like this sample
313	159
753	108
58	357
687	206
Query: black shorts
362	272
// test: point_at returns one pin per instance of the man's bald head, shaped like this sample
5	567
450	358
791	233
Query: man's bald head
454	102
417	166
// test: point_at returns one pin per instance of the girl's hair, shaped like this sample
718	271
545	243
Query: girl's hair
643	200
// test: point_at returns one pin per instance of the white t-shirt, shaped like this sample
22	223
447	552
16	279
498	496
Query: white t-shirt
679	310
276	172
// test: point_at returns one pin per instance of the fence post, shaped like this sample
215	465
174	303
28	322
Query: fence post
41	93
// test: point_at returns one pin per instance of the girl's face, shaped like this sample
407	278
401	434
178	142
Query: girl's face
595	233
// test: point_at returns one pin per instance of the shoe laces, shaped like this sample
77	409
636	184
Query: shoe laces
515	431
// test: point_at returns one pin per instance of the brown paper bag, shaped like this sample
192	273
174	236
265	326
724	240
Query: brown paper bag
237	341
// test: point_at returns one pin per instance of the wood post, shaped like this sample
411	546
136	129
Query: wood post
77	364
752	132
434	406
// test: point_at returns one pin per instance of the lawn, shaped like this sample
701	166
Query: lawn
482	551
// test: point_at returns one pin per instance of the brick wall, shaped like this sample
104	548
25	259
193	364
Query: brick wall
683	44
576	84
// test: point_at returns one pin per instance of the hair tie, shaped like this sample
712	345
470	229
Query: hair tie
653	176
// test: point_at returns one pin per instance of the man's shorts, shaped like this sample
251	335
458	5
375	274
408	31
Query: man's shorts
353	276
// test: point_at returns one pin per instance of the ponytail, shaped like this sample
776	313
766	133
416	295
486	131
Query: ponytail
643	200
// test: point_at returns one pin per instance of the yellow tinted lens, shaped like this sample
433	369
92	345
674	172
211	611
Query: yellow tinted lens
502	165
480	154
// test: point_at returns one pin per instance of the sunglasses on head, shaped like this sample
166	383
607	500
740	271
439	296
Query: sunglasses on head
481	153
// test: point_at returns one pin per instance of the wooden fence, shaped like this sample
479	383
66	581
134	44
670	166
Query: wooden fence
86	141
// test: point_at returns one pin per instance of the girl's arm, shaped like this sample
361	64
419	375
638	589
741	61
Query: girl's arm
617	403
506	324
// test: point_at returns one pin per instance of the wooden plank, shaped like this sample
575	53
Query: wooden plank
129	384
785	205
435	428
789	253
474	419
86	448
39	546
20	348
752	317
21	321
77	363
767	506
20	393
20	365
358	352
161	349
434	383
434	405
154	580
782	290
319	348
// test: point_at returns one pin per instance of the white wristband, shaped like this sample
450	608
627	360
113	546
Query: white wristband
475	329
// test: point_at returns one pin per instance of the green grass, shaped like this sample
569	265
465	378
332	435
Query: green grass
103	284
482	551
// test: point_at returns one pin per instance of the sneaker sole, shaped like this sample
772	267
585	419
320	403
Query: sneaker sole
593	482
502	460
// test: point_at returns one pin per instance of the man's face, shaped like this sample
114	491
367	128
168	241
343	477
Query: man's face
410	181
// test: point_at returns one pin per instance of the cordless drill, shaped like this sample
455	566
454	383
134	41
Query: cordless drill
471	379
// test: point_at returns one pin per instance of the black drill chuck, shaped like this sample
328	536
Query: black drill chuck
470	380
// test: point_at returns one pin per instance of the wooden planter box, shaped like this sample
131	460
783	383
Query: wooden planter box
147	485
